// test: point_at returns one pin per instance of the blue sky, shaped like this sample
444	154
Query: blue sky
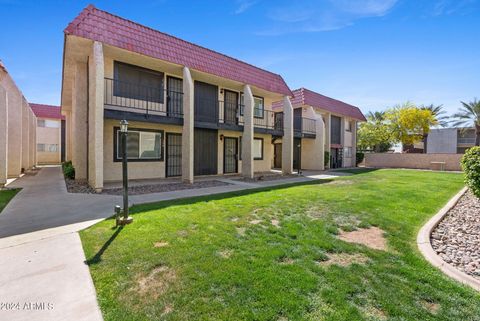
370	53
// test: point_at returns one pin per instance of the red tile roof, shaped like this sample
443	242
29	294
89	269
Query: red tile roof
46	111
305	96
112	30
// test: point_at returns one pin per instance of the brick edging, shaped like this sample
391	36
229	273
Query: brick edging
425	247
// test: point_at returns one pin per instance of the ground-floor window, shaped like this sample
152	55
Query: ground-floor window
48	148
142	145
258	148
347	152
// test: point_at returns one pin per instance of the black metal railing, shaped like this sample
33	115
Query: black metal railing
466	140
230	113
304	125
263	118
143	98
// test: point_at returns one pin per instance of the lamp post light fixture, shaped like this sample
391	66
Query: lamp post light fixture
125	219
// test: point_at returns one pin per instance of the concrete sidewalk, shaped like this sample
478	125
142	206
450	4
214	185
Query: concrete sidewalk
42	269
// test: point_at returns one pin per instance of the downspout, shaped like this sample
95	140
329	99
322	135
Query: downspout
88	117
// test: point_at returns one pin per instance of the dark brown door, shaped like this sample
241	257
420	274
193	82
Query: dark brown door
230	109
173	158
277	161
205	151
297	153
174	97
230	155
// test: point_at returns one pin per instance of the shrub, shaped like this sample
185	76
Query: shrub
68	170
471	167
360	157
326	159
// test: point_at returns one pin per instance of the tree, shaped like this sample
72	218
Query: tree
410	124
469	116
440	116
375	133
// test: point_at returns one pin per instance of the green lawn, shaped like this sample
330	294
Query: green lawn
6	196
203	259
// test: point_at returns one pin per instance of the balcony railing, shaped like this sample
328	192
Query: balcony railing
143	98
302	125
466	140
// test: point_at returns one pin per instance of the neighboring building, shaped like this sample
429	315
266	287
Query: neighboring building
50	134
17	130
338	120
450	140
191	110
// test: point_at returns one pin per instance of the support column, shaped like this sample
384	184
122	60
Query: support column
68	135
31	138
188	127
25	127
354	143
320	142
96	80
79	121
247	138
287	140
3	135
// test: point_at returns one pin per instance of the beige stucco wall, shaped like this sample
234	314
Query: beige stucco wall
47	135
417	161
15	152
136	170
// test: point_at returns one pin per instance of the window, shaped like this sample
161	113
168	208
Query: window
347	152
348	127
48	148
137	83
48	123
257	148
258	106
142	145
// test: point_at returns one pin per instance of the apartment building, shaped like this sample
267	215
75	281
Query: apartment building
50	134
449	140
191	111
17	130
335	124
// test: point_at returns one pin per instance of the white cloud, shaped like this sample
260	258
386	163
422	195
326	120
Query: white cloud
327	15
244	5
448	7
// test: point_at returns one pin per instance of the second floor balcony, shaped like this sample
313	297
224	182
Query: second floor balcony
304	127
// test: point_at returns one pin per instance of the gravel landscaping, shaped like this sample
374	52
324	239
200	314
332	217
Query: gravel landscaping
167	187
74	186
457	238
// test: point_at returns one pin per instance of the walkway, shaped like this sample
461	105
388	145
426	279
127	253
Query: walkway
42	270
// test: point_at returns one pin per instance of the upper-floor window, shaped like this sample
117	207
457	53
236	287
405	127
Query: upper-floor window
49	148
48	123
348	126
137	82
258	106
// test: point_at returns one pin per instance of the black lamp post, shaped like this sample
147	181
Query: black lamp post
125	219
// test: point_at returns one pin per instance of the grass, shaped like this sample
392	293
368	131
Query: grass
203	259
5	197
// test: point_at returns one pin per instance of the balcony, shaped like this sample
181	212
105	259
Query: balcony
146	100
466	141
304	127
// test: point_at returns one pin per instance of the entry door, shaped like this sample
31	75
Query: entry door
230	155
174	97
230	107
277	160
297	153
206	102
336	157
206	151
173	164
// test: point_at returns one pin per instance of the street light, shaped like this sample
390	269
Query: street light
124	132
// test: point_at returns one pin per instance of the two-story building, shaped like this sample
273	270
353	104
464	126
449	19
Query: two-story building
50	134
191	111
334	124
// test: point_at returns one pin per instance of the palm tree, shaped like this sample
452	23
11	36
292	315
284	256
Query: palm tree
376	116
440	116
469	116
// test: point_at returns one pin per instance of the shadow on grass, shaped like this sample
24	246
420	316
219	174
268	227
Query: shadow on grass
356	171
97	258
137	209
